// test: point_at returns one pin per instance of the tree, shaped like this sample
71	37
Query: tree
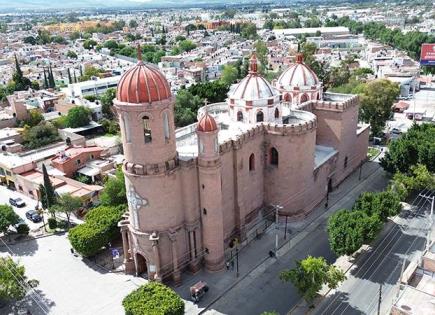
40	135
186	107
100	228
48	195
114	192
89	44
67	204
71	54
107	103
349	230
376	102
133	24
186	45
262	51
35	85
229	74
8	217
35	117
153	298
78	116
383	204
310	274
20	82
13	280
30	40
414	147
248	31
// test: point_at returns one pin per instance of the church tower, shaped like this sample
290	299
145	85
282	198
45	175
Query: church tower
153	234
210	182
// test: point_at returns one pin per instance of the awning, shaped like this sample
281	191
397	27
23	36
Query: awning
89	171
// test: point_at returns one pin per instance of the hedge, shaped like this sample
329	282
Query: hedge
153	299
100	228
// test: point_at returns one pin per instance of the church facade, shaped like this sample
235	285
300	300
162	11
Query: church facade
191	191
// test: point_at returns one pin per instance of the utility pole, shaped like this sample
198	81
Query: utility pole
360	169
429	230
285	230
380	299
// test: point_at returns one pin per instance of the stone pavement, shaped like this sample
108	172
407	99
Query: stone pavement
254	259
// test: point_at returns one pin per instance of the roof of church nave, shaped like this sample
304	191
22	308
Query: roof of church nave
297	75
143	83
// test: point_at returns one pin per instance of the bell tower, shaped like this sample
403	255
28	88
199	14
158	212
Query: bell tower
152	234
210	182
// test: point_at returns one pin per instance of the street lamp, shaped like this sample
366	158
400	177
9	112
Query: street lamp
277	208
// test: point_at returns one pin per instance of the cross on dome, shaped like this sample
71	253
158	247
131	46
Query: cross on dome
299	58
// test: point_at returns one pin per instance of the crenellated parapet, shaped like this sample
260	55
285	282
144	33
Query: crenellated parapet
303	122
336	103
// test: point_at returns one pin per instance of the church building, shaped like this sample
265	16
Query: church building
193	190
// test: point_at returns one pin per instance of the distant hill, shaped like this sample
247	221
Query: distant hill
53	4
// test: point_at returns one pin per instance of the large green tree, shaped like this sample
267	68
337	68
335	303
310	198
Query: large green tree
13	281
376	102
107	103
349	230
66	203
8	217
229	74
310	274
114	192
40	135
48	195
78	116
416	146
186	108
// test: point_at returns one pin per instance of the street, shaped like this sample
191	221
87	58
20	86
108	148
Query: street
359	294
262	290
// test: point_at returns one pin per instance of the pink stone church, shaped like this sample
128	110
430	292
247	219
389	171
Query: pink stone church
193	190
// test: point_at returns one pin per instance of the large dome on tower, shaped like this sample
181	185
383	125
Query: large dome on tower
253	88
144	83
297	75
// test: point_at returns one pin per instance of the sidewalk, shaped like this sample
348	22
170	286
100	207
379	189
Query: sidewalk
254	259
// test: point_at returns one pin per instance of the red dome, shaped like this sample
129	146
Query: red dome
143	83
207	124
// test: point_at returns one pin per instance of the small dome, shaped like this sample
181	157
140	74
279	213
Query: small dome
297	75
253	86
207	124
144	83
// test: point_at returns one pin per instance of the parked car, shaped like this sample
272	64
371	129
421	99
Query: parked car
198	290
33	216
17	202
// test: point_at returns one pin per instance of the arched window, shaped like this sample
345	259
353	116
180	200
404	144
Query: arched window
260	116
252	162
166	125
146	129
304	98
239	116
276	113
274	156
126	127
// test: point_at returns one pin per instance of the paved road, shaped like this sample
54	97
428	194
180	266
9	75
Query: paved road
382	265
5	194
263	291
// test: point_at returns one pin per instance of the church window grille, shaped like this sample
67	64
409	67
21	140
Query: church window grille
252	162
146	129
274	157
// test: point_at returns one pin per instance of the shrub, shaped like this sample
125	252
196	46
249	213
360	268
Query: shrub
52	223
384	204
153	298
101	227
23	229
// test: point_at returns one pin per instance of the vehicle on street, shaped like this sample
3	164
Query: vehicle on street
33	216
198	290
17	202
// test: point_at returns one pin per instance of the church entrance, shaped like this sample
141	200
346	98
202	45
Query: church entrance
141	265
